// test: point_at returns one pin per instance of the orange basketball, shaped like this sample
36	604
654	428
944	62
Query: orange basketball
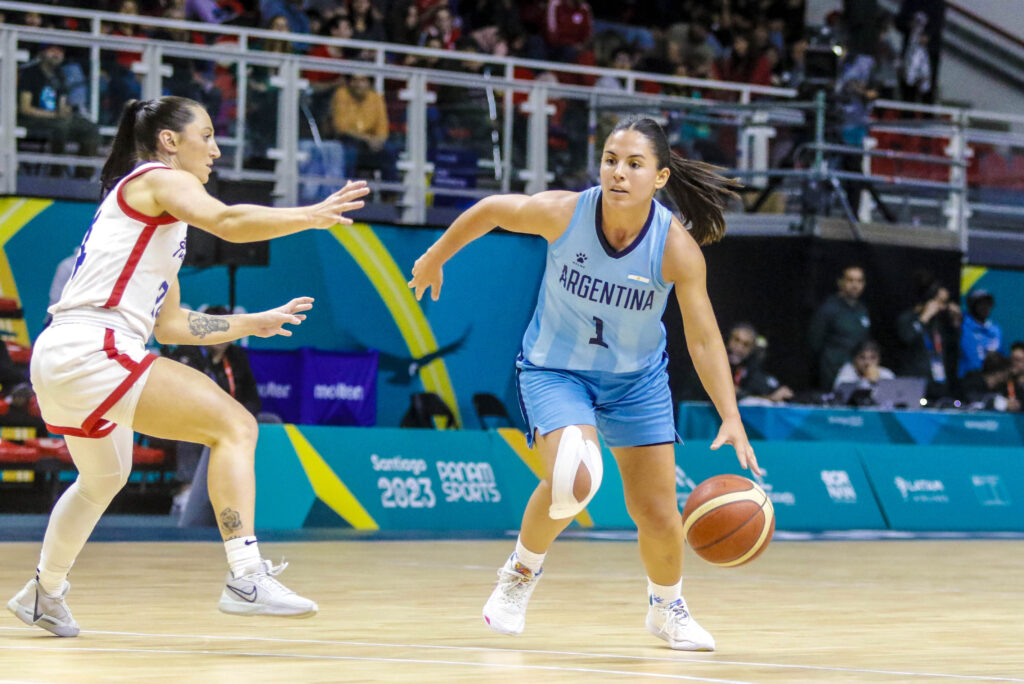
728	520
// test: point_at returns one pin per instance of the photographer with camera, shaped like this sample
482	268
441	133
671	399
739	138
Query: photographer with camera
928	332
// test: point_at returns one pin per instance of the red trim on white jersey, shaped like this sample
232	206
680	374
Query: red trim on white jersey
134	213
94	426
129	266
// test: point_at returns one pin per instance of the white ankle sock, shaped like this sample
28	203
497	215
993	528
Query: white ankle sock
660	594
532	560
243	554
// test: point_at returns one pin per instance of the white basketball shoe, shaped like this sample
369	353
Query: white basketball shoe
505	610
33	606
672	622
258	593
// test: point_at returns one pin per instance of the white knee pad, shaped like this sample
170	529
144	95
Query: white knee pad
573	450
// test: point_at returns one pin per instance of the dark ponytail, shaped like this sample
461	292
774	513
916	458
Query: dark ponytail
136	138
699	192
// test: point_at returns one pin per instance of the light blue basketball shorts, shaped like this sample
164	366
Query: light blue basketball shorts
628	409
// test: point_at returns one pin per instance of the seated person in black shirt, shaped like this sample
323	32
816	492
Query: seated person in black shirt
745	361
987	387
44	111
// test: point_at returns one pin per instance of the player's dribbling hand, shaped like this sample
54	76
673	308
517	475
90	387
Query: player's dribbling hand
732	432
331	211
272	322
427	274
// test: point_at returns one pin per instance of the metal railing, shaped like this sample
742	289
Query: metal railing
523	134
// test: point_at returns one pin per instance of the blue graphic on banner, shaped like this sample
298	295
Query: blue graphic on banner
945	489
313	387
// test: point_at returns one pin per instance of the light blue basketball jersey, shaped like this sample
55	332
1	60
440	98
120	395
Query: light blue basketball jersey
599	309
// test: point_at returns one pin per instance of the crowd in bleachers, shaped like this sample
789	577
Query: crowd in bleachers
758	42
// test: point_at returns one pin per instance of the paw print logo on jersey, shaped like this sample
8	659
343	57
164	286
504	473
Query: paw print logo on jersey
581	259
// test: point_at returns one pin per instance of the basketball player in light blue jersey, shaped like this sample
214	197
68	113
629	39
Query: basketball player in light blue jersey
594	360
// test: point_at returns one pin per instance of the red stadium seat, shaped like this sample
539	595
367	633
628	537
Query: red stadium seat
17	453
142	455
51	447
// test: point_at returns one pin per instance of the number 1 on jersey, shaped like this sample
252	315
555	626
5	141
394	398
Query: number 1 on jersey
598	337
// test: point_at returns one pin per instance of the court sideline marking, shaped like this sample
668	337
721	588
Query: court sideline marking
303	656
584	654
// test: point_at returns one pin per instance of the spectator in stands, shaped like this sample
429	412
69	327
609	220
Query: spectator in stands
917	66
908	21
568	26
929	332
443	26
359	119
839	324
278	24
291	10
44	112
208	11
190	78
403	25
366	23
741	65
864	368
986	387
746	350
979	335
1015	388
622	59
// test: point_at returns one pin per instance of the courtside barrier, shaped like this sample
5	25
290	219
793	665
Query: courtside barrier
409	479
863	425
948	488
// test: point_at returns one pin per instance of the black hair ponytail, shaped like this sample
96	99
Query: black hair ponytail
122	157
698	190
136	137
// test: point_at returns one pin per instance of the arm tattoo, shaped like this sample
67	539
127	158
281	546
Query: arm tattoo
202	325
230	520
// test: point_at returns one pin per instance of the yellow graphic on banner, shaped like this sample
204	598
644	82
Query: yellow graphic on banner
373	257
969	276
15	213
327	485
531	457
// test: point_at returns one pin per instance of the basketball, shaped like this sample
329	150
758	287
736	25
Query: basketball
728	520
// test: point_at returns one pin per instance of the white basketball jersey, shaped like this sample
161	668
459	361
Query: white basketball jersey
125	266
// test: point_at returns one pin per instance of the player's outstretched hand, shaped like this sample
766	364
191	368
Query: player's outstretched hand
427	274
732	432
332	210
272	322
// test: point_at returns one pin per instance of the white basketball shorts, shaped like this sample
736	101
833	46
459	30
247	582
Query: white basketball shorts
87	378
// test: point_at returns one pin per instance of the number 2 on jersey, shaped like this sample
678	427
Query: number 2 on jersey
598	337
160	298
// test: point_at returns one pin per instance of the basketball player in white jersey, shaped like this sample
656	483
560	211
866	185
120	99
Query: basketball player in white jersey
593	358
96	383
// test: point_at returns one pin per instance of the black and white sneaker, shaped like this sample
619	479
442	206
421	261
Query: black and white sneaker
33	606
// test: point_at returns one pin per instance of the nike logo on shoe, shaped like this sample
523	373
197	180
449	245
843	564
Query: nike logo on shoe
36	614
249	596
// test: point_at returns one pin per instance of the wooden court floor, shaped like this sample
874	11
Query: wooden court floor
882	611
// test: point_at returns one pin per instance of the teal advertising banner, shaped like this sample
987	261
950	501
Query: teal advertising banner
699	421
389	478
813	487
948	488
